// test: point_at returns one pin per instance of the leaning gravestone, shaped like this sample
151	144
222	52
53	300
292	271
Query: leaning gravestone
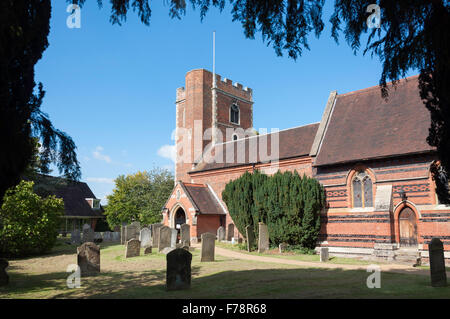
4	278
173	237
221	233
133	248
185	234
324	256
155	234
208	243
230	232
178	275
145	237
263	240
75	237
88	235
250	234
88	259
165	235
437	263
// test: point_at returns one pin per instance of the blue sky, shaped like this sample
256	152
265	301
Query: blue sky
112	88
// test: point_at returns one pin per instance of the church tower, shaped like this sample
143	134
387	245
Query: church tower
208	115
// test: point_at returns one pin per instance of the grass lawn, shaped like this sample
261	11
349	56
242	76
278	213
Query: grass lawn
144	277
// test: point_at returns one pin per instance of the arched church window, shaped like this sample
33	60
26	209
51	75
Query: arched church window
362	190
235	137
234	113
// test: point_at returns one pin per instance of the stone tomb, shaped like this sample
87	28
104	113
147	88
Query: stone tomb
208	244
133	248
4	278
145	237
185	234
250	235
263	240
88	259
165	236
178	274
437	263
221	233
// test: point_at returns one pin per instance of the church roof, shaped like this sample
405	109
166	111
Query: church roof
293	142
202	198
362	125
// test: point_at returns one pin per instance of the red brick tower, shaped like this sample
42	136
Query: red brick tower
201	123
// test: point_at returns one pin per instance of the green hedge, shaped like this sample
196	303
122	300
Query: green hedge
288	203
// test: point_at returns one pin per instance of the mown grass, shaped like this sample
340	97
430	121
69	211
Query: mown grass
144	277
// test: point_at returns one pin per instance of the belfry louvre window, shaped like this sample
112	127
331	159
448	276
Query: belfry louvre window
234	113
362	190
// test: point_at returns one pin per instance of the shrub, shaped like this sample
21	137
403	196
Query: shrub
28	223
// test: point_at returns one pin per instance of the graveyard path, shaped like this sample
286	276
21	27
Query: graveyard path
396	268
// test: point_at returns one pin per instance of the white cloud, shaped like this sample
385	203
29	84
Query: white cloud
103	180
168	151
102	157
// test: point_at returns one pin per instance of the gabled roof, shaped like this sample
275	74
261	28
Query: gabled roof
293	142
73	193
362	125
202	198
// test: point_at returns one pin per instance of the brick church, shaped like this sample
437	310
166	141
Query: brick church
371	156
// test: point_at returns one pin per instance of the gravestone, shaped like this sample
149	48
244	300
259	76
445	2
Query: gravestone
208	243
75	237
250	235
145	237
137	226
155	234
4	278
437	263
88	259
185	234
133	248
165	235
122	233
173	237
230	232
148	250
324	256
88	234
131	232
178	274
282	247
263	240
167	250
221	233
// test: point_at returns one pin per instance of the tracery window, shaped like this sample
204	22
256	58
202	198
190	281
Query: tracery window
362	190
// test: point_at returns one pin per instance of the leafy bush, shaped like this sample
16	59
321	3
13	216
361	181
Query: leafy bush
289	204
28	223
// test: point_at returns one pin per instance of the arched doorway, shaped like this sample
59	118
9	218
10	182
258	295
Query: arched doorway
180	218
407	227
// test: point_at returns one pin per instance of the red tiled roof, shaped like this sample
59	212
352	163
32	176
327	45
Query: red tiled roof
202	198
365	126
294	142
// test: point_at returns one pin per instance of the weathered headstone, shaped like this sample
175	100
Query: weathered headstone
324	256
145	237
4	278
88	235
437	263
178	275
167	250
173	237
75	237
137	226
165	234
250	235
230	232
221	233
131	232
88	259
282	247
155	234
208	244
133	248
263	240
148	250
185	234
